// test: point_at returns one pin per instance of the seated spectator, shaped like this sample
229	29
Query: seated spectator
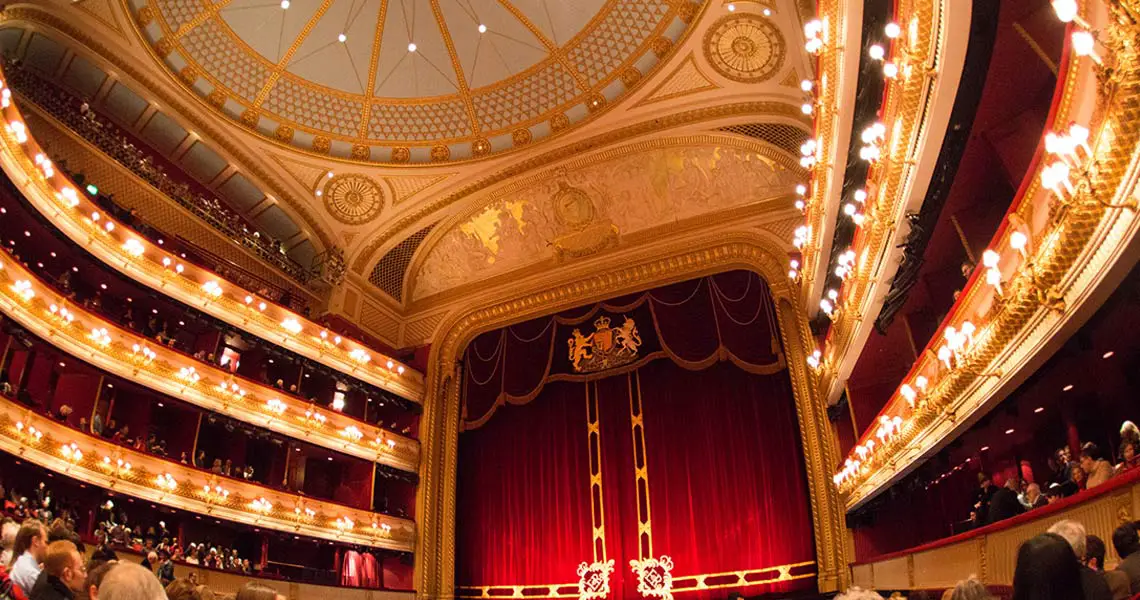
1129	447
1078	481
852	593
1118	583
63	575
96	571
1033	497
8	530
1094	465
128	581
969	589
1127	544
1004	503
1094	586
29	550
1047	569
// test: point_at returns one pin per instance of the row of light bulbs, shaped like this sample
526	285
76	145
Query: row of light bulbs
135	248
1069	152
188	375
166	482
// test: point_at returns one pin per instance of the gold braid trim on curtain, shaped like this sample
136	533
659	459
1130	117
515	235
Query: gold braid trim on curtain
722	353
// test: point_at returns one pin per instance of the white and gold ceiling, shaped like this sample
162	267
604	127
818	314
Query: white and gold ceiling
514	138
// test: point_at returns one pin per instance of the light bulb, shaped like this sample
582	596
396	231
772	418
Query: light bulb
990	258
806	85
482	28
285	4
1066	10
890	70
411	46
876	52
1017	240
893	30
342	38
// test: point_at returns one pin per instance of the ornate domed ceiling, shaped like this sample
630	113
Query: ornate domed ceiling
411	80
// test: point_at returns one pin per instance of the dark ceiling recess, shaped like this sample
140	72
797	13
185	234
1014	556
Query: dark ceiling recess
388	274
983	32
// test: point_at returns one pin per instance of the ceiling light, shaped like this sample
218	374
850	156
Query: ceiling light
806	108
984	449
1067	388
342	38
876	52
1008	431
767	12
806	85
62	365
411	46
285	4
731	7
1039	409
329	174
1108	354
482	28
893	30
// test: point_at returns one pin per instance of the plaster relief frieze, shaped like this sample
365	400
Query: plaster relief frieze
570	211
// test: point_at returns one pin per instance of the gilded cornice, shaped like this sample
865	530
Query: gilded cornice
231	499
41	18
1076	248
676	259
114	351
906	112
364	258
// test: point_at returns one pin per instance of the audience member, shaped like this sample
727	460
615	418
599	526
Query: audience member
1117	581
1093	585
28	552
969	589
1004	503
982	498
182	589
1047	569
63	575
8	530
852	593
1127	544
1094	465
128	581
1033	497
96	571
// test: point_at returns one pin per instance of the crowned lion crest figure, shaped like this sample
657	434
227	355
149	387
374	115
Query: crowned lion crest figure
607	347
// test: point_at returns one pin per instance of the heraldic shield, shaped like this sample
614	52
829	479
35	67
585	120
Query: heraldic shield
606	348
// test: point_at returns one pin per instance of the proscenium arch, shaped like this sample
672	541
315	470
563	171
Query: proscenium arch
594	281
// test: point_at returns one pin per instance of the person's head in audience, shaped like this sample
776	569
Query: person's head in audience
96	571
62	561
852	593
1047	569
8	531
969	589
1032	492
1094	553
1074	533
128	581
1013	484
1090	455
182	589
31	538
256	591
1125	540
984	480
1078	475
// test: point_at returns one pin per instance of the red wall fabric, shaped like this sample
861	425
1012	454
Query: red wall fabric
724	467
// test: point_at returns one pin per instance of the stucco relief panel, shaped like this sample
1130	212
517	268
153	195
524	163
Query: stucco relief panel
628	194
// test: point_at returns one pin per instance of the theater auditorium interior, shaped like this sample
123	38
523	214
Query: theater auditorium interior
592	299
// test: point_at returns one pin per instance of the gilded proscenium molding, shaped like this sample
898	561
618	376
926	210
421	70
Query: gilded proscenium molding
91	338
367	256
906	114
145	476
669	261
84	222
78	39
1075	249
837	74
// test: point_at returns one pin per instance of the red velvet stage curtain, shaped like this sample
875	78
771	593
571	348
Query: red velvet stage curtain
724	484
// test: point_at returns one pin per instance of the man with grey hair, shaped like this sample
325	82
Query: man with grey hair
128	581
1094	584
8	531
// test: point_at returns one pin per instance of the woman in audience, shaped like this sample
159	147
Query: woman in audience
256	591
1047	569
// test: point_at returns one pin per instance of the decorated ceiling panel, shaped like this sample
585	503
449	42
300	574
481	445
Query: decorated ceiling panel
414	81
594	204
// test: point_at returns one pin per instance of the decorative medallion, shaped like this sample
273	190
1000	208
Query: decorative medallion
481	147
353	199
745	47
189	74
321	144
249	117
630	76
572	206
606	348
595	102
654	577
559	122
594	579
217	98
401	154
360	152
662	46
145	16
163	47
440	153
687	11
521	137
284	133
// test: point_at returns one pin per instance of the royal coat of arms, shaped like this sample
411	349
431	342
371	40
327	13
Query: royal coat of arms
606	348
